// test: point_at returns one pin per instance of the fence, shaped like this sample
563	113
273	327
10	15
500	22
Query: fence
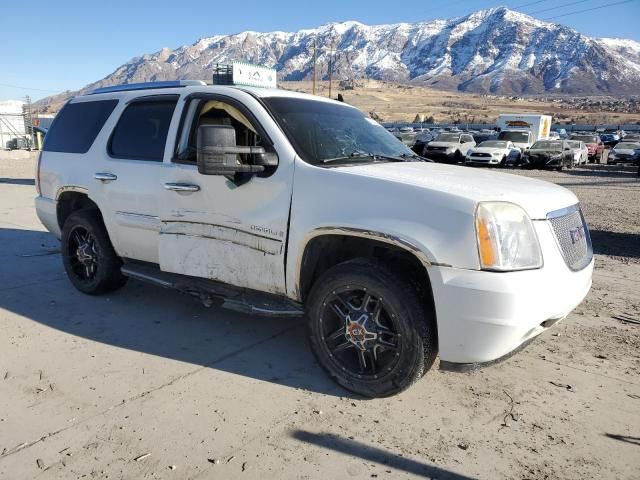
480	126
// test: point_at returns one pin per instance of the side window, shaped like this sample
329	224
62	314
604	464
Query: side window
77	125
141	132
467	138
215	112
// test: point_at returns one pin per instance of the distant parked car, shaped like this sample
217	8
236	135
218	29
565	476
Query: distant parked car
449	147
593	143
406	129
490	152
18	143
609	139
580	152
484	135
632	137
554	135
422	139
549	154
562	133
624	152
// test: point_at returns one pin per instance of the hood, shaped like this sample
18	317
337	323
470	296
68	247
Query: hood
443	144
536	151
536	197
489	150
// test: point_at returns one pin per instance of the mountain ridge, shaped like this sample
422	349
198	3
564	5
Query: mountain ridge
496	50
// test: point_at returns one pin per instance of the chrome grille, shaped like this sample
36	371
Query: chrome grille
573	237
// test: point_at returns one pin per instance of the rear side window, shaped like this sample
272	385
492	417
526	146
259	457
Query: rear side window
77	125
141	132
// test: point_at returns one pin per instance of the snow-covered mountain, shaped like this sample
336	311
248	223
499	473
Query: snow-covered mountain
495	50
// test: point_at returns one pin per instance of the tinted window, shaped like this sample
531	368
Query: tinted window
77	125
448	137
585	138
141	132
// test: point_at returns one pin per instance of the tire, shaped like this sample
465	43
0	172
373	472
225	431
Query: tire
406	340
457	157
88	256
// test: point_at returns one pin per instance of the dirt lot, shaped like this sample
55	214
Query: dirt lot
147	383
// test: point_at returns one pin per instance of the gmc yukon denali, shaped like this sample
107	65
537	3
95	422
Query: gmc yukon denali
278	203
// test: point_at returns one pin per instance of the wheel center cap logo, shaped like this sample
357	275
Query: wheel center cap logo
356	332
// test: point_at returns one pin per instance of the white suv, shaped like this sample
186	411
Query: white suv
279	203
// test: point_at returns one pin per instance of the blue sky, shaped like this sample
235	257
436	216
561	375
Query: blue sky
52	46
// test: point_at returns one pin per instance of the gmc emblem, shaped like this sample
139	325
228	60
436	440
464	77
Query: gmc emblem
577	234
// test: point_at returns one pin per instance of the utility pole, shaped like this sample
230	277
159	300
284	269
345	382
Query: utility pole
28	120
314	66
330	65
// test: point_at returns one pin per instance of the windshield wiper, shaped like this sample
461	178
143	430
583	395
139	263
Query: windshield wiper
365	155
414	156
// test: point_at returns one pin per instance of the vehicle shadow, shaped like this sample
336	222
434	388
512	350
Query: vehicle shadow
155	321
608	171
624	438
615	243
352	448
18	181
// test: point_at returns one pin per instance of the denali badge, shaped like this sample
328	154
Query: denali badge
577	234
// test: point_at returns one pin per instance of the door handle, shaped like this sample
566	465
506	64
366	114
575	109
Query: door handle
105	177
181	187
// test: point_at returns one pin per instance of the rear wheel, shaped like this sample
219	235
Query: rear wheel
88	256
369	330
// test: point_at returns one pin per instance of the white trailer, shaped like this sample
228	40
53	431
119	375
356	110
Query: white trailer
523	129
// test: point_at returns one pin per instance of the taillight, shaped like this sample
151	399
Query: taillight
37	173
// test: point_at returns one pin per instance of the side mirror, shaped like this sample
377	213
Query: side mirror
217	153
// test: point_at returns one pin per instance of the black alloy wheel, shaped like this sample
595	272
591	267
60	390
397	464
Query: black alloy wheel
91	263
82	250
359	333
370	329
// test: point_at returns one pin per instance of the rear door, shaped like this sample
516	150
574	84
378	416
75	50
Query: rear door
128	173
229	229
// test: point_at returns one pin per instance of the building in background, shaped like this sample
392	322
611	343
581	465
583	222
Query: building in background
12	122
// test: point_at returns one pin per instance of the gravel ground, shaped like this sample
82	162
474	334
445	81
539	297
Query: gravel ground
146	383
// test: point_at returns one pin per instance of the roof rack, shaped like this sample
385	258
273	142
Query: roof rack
147	85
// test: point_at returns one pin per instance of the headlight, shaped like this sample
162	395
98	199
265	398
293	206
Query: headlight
496	154
506	238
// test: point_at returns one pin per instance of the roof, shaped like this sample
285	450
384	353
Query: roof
156	88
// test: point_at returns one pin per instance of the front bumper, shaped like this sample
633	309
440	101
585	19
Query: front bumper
482	160
483	317
440	156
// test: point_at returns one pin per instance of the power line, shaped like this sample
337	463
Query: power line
559	6
589	9
529	4
28	88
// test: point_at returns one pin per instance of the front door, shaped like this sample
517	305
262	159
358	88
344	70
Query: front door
232	230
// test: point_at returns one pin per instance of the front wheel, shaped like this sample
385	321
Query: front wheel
91	263
369	329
